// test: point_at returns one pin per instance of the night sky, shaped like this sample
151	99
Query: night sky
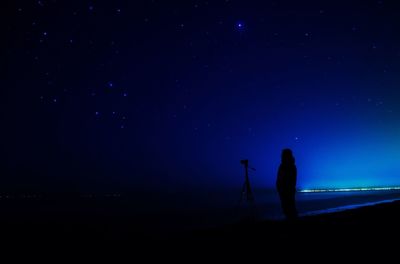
171	95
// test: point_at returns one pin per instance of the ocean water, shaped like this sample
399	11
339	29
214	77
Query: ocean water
214	209
174	212
218	209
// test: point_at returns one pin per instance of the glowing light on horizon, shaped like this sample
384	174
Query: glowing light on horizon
351	189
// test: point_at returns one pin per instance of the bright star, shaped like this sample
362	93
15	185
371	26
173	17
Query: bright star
240	26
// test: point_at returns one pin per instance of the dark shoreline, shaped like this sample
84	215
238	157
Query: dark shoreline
369	227
375	226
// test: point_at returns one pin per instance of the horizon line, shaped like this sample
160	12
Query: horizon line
350	189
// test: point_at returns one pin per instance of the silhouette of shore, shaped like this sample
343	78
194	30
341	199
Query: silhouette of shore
372	225
361	233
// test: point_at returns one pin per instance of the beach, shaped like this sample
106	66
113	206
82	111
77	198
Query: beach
362	232
358	218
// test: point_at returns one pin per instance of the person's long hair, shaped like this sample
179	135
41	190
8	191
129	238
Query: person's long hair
287	157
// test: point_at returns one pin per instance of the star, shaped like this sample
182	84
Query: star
240	26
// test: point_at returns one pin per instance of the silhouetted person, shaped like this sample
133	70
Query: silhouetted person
286	184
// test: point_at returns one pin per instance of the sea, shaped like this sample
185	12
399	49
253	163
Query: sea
217	209
169	212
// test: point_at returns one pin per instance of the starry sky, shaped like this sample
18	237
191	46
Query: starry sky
171	95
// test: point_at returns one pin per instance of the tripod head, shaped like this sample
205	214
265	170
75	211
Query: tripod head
245	162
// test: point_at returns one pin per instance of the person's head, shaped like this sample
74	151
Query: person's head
287	156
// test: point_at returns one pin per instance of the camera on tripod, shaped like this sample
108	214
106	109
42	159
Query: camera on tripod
245	162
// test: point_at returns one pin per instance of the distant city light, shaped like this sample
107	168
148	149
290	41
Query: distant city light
351	189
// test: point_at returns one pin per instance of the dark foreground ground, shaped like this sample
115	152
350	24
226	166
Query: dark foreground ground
361	232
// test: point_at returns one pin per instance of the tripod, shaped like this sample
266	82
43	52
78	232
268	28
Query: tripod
247	194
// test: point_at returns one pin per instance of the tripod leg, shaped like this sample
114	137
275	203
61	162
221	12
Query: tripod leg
243	193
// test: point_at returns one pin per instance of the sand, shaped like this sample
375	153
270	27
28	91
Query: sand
367	230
